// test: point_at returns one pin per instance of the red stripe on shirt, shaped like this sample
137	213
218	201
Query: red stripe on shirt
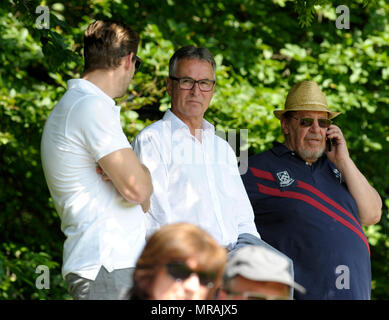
262	174
268	176
321	195
314	203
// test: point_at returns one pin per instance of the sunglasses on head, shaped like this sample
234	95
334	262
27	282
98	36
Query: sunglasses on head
180	271
308	122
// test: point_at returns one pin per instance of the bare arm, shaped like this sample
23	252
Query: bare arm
367	198
128	175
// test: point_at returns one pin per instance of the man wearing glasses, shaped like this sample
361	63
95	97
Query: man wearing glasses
103	220
194	172
310	200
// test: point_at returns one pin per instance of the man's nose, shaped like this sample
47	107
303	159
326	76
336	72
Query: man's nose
196	89
315	126
192	284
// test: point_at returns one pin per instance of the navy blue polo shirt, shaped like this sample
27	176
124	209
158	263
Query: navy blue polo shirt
308	213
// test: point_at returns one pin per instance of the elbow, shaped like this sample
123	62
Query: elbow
378	212
372	212
377	217
137	194
373	218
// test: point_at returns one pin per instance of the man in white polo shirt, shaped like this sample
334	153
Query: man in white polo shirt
102	219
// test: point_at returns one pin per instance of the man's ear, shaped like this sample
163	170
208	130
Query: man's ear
128	61
169	84
285	125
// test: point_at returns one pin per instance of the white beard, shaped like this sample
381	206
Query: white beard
311	155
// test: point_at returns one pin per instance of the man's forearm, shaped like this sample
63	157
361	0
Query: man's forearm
148	179
367	198
128	175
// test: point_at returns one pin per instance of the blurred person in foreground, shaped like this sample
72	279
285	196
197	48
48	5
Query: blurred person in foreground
179	262
258	273
310	200
102	220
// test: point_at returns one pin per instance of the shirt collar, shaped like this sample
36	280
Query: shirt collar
280	149
89	87
177	123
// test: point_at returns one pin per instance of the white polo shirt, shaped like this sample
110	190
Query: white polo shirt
101	228
195	182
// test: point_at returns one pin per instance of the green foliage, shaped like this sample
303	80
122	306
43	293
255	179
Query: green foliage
18	273
306	11
261	49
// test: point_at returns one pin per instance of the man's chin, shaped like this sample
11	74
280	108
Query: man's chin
311	155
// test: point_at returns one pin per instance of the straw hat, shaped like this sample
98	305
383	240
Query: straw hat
306	96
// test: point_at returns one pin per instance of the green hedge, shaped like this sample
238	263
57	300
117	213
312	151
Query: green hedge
261	49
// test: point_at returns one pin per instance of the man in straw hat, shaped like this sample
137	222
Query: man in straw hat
310	200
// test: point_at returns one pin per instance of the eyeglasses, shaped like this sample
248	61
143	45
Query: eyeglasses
247	295
180	271
138	63
308	122
188	83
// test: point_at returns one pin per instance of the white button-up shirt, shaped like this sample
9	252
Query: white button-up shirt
101	228
195	182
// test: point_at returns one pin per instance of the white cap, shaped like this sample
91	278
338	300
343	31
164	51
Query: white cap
261	264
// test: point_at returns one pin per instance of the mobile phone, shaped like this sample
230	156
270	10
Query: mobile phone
329	144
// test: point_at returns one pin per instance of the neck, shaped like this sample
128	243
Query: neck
307	161
194	124
106	80
287	144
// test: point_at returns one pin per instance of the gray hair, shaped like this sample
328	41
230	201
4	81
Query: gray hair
191	52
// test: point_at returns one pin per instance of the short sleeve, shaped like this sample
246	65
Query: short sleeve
100	128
